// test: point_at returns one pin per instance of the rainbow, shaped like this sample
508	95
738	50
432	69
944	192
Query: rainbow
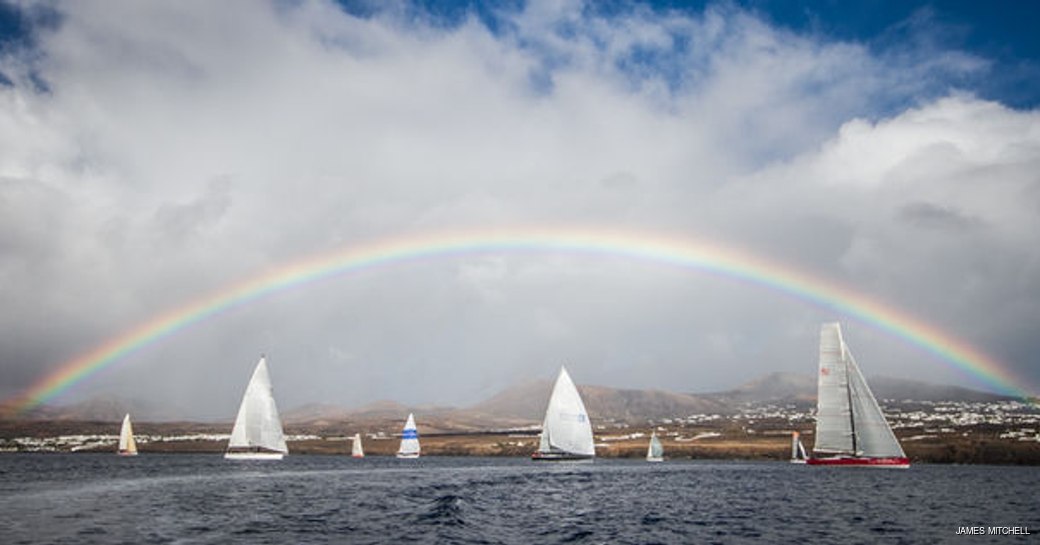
683	252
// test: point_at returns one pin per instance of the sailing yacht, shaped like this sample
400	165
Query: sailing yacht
566	430
127	444
257	434
654	451
851	430
409	440
355	449
798	455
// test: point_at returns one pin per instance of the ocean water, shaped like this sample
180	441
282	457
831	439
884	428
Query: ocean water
93	498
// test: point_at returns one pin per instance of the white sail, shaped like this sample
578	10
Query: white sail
848	418
409	440
874	437
127	444
258	428
566	430
833	411
798	455
655	450
355	450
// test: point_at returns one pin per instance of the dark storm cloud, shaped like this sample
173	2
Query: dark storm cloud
931	216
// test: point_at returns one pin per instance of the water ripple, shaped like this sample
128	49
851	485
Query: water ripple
198	499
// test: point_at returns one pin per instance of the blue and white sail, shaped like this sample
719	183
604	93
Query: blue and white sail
409	440
566	430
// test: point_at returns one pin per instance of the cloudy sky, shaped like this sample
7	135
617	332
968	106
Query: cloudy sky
153	152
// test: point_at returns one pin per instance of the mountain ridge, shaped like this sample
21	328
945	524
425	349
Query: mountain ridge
524	404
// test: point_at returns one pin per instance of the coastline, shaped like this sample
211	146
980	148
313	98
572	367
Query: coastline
776	447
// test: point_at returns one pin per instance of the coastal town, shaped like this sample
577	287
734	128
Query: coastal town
998	431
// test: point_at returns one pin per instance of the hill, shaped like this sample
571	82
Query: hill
523	405
99	409
526	402
899	389
799	389
772	388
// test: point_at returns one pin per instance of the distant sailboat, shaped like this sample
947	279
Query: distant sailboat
654	451
355	450
798	455
257	434
409	440
127	444
851	430
566	430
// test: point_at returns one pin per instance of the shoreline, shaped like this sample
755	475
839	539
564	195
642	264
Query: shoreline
774	448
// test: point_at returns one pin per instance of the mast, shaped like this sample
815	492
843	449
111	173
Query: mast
848	392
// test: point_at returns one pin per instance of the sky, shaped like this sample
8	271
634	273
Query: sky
154	153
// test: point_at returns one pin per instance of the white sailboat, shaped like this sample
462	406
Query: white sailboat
257	434
654	451
355	449
127	444
798	455
409	440
566	430
851	430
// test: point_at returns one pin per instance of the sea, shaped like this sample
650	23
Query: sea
195	498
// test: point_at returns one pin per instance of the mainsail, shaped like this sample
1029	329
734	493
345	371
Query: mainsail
127	444
258	429
849	421
355	450
654	451
566	430
409	440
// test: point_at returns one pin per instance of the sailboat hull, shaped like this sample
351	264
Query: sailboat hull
654	458
127	453
857	461
559	457
253	455
408	455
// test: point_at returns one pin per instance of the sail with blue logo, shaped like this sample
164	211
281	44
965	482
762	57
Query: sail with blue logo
566	430
409	440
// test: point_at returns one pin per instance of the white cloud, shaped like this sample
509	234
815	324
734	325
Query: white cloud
183	147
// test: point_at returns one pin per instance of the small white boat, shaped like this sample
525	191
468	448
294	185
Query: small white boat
655	450
409	440
257	434
127	444
798	455
355	449
566	430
